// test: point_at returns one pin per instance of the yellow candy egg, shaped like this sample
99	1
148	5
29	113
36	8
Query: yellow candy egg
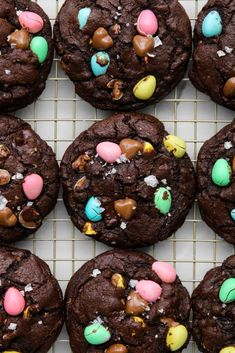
176	337
88	229
145	88
175	145
11	352
229	349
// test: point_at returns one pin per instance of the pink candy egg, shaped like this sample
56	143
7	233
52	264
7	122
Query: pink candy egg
149	290
14	302
165	271
32	186
147	23
108	151
31	21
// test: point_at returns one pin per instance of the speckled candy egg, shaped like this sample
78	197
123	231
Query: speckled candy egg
96	334
147	23
149	290
166	272
31	21
83	16
39	47
221	172
93	209
108	151
100	63
14	302
212	24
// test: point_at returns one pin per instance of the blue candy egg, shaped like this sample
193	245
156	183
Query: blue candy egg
233	214
212	24
93	209
83	16
100	63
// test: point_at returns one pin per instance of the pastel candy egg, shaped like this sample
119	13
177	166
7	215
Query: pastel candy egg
162	200
96	334
147	23
31	21
39	47
149	290
108	151
227	291
14	302
32	186
100	63
212	24
166	272
83	16
93	209
144	89
176	337
221	172
233	214
229	349
175	145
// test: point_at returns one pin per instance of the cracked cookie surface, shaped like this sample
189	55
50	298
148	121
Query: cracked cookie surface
213	320
36	328
217	202
93	296
29	179
115	202
22	76
114	88
213	65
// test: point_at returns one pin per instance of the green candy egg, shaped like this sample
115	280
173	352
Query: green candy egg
96	334
39	47
162	200
221	172
227	291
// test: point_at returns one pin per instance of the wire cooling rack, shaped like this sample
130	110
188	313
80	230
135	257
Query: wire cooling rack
59	116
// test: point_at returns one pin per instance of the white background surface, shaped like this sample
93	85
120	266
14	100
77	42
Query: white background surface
59	116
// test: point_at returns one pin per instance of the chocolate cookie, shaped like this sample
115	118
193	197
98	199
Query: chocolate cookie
213	69
127	182
123	55
29	179
26	49
123	302
31	311
216	182
213	303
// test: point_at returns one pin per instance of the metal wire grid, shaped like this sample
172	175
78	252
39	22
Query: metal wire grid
59	116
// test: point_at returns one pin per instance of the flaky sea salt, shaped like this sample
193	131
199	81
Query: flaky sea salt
133	283
228	145
3	202
221	53
123	225
12	326
157	42
228	50
7	72
96	272
98	320
30	203
122	159
28	288
40	322
151	180
17	176
111	172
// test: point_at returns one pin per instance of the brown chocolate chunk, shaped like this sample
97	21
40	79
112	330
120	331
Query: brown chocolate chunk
101	40
126	208
30	218
7	218
20	39
229	88
130	147
135	304
143	45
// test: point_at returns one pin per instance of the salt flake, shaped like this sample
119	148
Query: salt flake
96	272
151	180
133	283
123	225
12	326
7	72
221	53
228	145
28	288
228	50
17	176
157	42
3	202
